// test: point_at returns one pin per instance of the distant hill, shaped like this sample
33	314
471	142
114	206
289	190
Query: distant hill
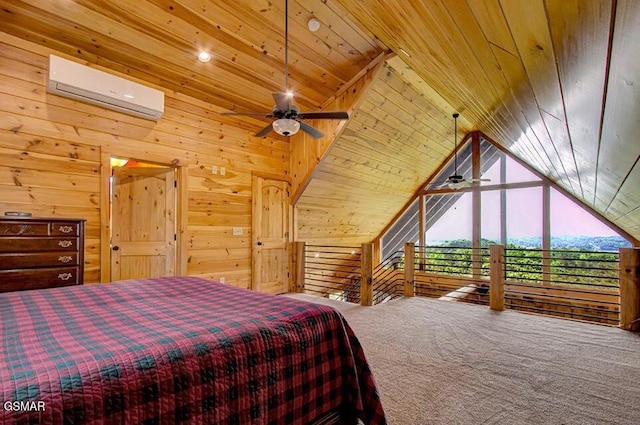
590	243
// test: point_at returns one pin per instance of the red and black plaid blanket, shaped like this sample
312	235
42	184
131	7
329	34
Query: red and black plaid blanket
177	350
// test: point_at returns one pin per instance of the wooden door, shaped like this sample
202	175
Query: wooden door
143	219
270	235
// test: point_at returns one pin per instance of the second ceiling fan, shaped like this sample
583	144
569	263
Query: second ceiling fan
457	181
287	117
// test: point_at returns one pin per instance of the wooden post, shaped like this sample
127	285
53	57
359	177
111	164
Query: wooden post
300	249
366	282
546	234
409	267
476	200
421	229
496	285
629	276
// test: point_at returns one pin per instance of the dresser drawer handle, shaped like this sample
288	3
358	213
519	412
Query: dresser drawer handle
65	258
65	276
65	229
65	244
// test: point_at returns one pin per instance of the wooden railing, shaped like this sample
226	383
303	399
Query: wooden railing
345	273
329	271
603	290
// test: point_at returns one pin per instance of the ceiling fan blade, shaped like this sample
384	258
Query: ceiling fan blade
325	115
283	101
248	114
315	133
478	180
264	131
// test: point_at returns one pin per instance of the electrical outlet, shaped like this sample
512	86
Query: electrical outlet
222	280
223	171
214	169
237	231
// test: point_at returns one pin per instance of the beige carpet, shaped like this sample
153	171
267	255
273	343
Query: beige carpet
437	362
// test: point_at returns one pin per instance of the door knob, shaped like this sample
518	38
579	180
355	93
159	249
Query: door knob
259	243
115	248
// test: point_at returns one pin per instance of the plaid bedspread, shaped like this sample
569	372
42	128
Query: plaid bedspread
177	350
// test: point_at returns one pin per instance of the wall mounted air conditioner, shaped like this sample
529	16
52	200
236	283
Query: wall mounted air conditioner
70	79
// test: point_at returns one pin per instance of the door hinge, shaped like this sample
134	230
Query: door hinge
175	183
175	237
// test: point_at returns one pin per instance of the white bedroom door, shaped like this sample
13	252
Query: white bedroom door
270	235
143	219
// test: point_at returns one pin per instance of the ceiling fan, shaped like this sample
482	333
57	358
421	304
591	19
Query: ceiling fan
287	117
457	181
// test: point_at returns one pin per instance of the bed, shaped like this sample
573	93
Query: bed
178	350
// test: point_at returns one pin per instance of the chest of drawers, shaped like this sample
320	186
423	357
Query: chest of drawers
38	253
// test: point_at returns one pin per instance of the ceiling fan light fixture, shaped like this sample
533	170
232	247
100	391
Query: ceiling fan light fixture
286	126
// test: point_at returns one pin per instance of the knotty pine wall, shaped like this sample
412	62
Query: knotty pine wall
50	150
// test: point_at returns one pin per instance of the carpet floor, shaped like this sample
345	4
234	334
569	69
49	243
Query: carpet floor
439	362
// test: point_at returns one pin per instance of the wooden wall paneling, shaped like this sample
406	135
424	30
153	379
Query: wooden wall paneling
532	146
531	34
307	152
581	34
178	26
151	47
486	18
332	16
51	149
340	169
617	158
365	157
482	59
419	109
227	98
519	111
248	47
625	208
321	56
470	20
375	122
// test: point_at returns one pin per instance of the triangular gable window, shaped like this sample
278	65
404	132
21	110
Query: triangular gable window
511	209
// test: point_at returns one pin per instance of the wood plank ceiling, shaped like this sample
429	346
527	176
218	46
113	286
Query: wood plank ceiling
555	81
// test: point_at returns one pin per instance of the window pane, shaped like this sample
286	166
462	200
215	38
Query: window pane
491	164
524	217
573	227
448	218
517	173
491	216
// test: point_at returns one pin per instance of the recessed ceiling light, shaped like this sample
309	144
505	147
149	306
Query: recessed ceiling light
313	24
405	52
204	57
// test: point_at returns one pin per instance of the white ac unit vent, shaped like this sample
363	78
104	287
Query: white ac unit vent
70	79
